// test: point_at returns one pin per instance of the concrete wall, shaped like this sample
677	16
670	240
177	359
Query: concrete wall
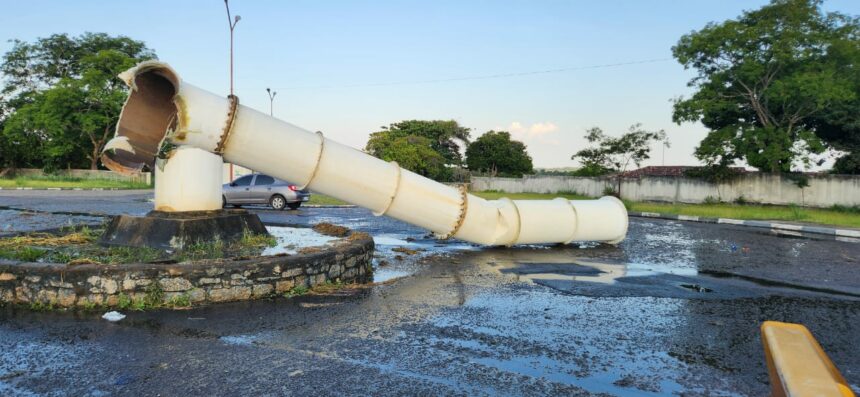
140	177
823	191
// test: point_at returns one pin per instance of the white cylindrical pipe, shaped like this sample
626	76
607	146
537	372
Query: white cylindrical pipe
257	141
189	181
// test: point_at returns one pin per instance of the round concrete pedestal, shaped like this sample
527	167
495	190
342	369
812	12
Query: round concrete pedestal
176	230
187	207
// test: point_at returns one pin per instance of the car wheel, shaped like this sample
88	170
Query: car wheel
223	201
278	202
295	206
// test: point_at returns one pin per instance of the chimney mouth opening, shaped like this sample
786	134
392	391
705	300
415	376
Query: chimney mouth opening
149	113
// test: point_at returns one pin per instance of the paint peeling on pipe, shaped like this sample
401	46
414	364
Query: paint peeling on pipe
162	106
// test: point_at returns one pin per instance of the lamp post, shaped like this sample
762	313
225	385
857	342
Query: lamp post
665	145
232	23
271	100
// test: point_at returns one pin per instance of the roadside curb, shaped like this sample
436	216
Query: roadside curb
851	234
329	206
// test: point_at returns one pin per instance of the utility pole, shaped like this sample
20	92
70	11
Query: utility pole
271	100
232	23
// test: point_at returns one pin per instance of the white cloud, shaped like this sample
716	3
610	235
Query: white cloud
539	132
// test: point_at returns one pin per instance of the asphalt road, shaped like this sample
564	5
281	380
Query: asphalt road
674	309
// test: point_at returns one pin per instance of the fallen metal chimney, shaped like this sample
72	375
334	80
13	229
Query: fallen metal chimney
165	115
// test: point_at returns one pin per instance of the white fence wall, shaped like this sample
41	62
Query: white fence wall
823	190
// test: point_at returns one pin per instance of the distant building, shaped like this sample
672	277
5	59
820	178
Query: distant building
669	170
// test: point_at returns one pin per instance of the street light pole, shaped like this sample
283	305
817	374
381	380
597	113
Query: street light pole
271	101
232	23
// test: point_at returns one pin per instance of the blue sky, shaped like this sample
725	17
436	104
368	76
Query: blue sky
325	57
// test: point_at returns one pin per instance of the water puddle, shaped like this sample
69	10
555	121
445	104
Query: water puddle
352	223
292	239
239	340
696	288
399	255
381	275
392	239
589	270
560	372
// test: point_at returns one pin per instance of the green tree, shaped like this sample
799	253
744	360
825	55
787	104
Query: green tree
412	152
616	154
495	153
446	136
839	124
765	80
63	98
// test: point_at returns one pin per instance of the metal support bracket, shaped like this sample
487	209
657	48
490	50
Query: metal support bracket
319	160
228	127
464	206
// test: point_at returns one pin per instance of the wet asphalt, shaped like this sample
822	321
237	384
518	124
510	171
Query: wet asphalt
673	310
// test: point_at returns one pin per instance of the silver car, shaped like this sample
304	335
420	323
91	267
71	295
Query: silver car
263	189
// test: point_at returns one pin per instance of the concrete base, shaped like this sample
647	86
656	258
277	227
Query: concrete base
175	230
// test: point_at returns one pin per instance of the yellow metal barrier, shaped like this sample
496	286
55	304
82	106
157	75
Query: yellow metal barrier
797	365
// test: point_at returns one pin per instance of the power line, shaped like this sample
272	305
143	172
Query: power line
486	77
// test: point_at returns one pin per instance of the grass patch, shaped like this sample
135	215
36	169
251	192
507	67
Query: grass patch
82	236
23	254
81	248
257	240
756	212
298	290
123	301
154	295
495	195
328	287
201	250
44	182
321	199
836	216
89	306
249	245
182	300
41	307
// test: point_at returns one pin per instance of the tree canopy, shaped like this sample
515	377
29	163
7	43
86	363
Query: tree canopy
427	147
412	152
61	97
446	136
495	153
616	154
774	86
